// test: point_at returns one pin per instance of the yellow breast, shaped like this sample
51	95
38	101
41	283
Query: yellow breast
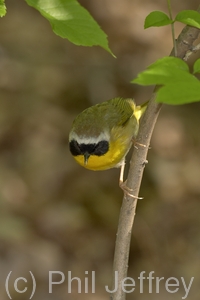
119	145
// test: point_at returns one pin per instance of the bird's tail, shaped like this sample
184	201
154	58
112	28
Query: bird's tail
140	109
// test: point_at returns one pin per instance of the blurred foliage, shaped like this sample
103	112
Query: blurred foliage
56	215
2	8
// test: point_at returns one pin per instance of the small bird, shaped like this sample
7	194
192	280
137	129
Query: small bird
102	134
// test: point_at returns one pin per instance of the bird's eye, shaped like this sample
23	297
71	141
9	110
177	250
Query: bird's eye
74	148
101	148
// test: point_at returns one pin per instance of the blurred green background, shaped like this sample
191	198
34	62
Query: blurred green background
57	216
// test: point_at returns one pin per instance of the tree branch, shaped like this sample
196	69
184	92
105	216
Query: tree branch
127	214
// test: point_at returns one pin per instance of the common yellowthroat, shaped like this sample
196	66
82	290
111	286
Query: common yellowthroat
102	134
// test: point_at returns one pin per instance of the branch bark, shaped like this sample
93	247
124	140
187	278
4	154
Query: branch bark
127	214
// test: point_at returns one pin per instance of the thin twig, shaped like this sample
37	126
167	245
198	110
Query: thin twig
172	27
128	209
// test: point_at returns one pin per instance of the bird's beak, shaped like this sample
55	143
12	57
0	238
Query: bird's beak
86	157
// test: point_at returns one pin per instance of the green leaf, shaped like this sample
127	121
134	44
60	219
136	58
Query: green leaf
164	70
176	84
157	19
70	20
2	8
196	67
189	17
179	93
